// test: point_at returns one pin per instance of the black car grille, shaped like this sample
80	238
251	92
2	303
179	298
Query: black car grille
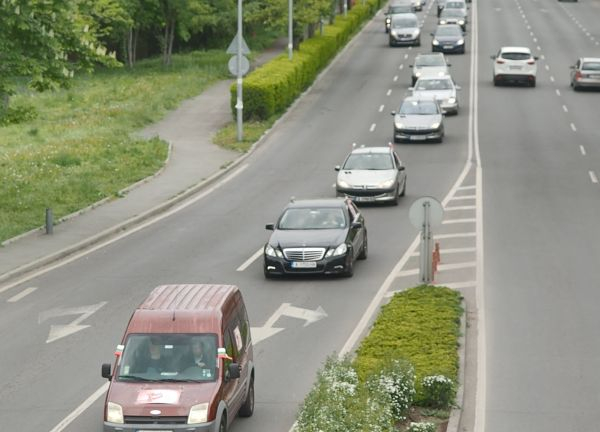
416	131
155	420
364	192
304	254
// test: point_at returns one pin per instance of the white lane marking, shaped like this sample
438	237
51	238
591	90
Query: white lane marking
597	43
253	258
552	78
573	128
557	92
535	39
405	56
593	177
395	78
372	128
129	231
469	187
381	107
565	109
81	408
444	251
542	56
530	33
441	268
529	27
459	208
463	197
582	150
401	67
539	48
389	92
547	67
459	285
22	294
453	236
458	221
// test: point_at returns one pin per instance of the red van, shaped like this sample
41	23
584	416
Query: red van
185	363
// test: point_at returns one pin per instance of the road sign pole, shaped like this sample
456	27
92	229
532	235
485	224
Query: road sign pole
426	267
290	28
239	106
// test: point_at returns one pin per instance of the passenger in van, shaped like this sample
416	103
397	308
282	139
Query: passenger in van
198	355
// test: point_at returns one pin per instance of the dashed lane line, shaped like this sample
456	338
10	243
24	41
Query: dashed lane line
22	294
458	221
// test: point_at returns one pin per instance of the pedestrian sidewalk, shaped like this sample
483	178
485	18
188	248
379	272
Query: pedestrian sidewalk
194	161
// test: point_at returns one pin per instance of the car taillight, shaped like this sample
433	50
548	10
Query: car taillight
530	62
500	61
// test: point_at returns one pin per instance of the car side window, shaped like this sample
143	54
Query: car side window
353	211
230	352
397	160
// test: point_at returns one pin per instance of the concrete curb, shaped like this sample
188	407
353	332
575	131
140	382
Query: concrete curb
456	413
135	220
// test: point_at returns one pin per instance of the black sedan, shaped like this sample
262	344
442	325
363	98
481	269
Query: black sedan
318	236
448	38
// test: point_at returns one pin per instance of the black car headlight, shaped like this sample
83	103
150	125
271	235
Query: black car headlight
273	252
340	250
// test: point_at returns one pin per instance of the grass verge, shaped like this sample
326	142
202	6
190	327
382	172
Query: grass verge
80	147
226	137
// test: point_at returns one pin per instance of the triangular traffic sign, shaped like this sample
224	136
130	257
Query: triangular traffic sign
233	46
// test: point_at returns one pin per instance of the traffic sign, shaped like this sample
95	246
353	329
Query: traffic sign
417	211
233	46
233	65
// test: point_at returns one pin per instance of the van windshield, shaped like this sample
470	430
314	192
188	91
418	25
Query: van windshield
170	357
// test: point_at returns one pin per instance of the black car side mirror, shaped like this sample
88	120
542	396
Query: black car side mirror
536	58
106	371
337	168
410	66
356	225
234	370
270	226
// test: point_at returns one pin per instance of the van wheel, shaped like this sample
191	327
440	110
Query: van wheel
247	409
223	425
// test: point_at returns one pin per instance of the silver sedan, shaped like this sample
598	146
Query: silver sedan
441	89
585	73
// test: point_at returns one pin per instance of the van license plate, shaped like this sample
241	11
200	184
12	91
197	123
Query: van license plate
304	264
154	430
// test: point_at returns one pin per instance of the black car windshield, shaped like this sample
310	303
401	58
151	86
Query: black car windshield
369	161
450	30
430	60
404	23
434	84
312	218
418	108
169	357
591	66
516	56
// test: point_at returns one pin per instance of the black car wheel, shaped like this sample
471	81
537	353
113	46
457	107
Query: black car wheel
403	189
350	266
365	249
247	409
223	424
396	193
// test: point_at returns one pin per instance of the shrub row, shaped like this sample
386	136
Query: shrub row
271	89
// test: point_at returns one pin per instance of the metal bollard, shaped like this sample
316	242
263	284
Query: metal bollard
49	221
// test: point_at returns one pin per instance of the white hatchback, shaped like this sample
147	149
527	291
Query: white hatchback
514	64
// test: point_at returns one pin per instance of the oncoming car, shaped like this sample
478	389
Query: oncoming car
448	38
318	236
429	65
515	65
418	120
405	30
441	89
396	8
453	16
371	174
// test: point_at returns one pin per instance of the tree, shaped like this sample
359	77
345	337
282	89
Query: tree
45	43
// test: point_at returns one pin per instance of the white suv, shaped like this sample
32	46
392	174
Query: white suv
514	64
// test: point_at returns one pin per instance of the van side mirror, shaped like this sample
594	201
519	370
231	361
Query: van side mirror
270	226
106	371
234	370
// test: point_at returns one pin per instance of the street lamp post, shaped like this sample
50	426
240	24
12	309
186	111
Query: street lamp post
239	106
290	28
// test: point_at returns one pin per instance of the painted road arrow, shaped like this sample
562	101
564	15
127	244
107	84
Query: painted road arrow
61	331
286	309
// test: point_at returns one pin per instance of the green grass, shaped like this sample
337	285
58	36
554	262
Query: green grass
80	148
226	137
421	325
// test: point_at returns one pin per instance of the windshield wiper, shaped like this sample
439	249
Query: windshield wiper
135	377
178	380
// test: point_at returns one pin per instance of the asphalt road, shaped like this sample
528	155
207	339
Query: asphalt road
210	239
540	160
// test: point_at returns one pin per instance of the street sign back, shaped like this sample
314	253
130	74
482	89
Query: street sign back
233	46
416	213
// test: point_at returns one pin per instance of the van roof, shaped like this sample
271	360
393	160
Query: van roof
183	309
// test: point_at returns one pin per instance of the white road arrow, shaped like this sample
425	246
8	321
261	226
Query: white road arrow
286	309
60	331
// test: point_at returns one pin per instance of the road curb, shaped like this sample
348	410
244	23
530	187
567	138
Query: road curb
160	208
456	412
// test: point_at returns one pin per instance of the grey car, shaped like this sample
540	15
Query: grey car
396	8
453	16
448	38
371	174
585	73
405	30
429	65
418	119
441	89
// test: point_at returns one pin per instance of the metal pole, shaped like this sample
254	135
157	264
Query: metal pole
290	28
49	221
239	104
426	268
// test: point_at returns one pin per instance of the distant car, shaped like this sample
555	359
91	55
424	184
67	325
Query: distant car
418	119
453	16
405	30
396	8
567	0
585	73
371	174
429	65
448	38
442	89
514	65
417	5
457	4
319	236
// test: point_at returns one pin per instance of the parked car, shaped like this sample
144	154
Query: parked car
453	16
185	362
448	38
442	89
396	8
429	65
514	65
318	236
371	174
585	73
405	30
419	120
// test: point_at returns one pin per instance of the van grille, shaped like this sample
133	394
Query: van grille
155	420
304	254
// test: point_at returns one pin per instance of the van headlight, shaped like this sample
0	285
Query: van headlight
272	252
340	250
198	414
114	413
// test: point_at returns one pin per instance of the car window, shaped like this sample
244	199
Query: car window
516	56
404	23
395	9
433	84
451	13
430	61
312	218
591	66
368	161
352	211
448	31
455	4
418	108
397	160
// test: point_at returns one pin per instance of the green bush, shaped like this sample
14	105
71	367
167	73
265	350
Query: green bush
16	114
420	325
397	382
438	391
271	89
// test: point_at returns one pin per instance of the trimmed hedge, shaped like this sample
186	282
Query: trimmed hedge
420	325
271	89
